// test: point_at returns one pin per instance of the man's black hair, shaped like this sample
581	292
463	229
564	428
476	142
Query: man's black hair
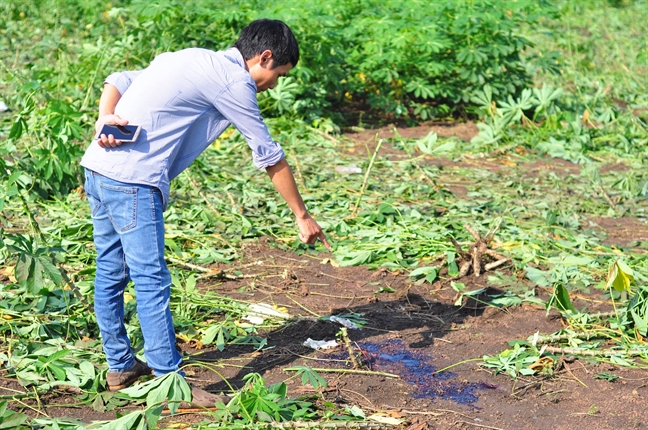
271	34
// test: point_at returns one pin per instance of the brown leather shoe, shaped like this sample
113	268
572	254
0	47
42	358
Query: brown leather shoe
116	381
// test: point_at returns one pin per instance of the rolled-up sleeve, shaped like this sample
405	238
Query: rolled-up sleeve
238	103
122	80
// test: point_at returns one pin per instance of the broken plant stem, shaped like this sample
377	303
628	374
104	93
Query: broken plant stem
607	198
557	337
349	347
324	425
596	353
354	371
366	178
208	273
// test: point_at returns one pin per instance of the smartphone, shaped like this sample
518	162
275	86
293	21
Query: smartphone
125	133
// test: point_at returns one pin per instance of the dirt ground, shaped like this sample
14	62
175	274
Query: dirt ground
413	333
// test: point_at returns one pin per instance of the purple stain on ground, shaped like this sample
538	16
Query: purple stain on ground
394	357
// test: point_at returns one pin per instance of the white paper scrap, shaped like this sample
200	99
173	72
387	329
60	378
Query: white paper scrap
258	312
320	344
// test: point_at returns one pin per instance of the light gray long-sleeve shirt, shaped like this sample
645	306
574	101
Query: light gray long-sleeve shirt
184	100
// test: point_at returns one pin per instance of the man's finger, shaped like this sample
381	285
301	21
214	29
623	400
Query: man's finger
324	241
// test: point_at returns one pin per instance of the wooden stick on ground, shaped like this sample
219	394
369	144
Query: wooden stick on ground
349	347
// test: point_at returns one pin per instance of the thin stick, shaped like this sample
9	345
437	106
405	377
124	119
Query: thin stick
574	376
210	273
305	357
303	307
456	364
491	233
324	425
349	347
371	405
340	279
224	275
15	396
607	197
325	135
366	178
189	265
480	425
355	371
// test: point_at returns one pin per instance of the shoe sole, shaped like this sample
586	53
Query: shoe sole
118	387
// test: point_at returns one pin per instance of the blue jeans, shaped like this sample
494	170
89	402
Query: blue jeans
129	239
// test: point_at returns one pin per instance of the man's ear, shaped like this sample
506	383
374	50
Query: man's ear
266	57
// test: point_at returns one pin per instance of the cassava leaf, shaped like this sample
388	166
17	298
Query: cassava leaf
563	302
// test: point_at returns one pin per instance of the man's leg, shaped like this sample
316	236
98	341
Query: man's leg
136	213
110	281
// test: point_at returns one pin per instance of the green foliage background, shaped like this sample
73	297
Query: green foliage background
392	59
559	81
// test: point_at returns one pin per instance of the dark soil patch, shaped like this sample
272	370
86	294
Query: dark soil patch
556	166
464	131
624	231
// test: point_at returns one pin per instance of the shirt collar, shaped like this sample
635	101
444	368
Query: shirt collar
235	55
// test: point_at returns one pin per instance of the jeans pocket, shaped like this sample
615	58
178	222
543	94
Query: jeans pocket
94	205
120	203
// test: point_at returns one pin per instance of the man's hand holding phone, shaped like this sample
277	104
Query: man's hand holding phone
112	131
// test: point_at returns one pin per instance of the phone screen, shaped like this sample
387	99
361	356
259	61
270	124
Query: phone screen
125	133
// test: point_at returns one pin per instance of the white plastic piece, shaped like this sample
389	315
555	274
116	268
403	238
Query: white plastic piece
320	344
345	322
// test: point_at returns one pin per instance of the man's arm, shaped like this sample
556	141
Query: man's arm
284	182
114	86
109	98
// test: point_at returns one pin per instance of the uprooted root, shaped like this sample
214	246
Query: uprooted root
475	258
